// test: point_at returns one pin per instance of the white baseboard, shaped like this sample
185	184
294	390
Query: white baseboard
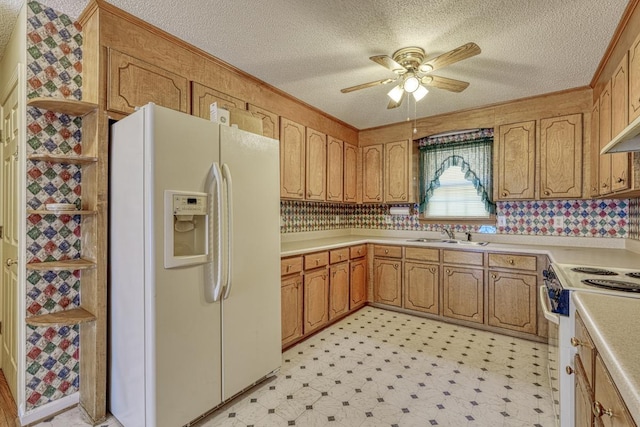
45	411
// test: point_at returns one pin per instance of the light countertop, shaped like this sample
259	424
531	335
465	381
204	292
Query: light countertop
613	323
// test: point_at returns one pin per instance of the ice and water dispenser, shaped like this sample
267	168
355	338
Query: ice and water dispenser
185	217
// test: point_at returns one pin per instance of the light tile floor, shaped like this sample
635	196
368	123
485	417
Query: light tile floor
381	368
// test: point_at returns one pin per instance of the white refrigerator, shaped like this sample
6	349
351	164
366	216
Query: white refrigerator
194	280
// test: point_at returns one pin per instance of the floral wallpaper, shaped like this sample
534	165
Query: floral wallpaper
54	65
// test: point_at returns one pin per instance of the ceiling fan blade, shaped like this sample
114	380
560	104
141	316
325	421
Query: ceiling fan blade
458	54
366	85
388	63
444	83
394	104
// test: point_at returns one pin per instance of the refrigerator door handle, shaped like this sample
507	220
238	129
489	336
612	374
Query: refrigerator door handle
213	269
226	175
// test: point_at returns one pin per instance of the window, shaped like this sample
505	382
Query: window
455	175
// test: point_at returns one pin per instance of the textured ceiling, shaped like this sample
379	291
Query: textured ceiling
312	49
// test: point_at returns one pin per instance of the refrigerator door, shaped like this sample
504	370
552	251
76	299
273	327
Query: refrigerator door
169	331
251	312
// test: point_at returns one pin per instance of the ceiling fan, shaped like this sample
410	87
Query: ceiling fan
414	72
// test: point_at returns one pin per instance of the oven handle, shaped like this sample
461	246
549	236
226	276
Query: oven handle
544	303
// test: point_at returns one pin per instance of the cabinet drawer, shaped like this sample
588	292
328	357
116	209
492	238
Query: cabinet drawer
462	257
586	349
318	259
290	265
422	254
357	251
520	262
388	251
338	255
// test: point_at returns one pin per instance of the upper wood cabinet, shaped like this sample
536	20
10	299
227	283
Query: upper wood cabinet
133	83
202	97
372	165
604	167
634	80
396	171
560	152
316	165
594	188
292	159
335	169
515	167
350	158
619	119
270	121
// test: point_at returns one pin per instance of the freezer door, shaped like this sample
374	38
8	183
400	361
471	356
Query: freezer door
251	312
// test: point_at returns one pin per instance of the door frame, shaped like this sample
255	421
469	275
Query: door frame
18	80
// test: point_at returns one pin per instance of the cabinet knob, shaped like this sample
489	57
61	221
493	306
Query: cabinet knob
317	261
575	342
9	262
511	261
288	268
432	269
494	276
395	266
546	192
448	271
604	185
599	410
569	370
504	194
619	180
386	251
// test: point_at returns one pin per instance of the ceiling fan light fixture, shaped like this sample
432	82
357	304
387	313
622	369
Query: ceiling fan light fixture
420	93
411	84
396	93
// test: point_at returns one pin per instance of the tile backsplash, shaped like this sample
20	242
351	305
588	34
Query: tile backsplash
574	218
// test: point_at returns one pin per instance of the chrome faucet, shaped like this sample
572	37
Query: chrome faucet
449	232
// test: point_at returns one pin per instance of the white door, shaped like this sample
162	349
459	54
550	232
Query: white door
11	124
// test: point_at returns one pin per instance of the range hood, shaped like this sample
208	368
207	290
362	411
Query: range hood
625	141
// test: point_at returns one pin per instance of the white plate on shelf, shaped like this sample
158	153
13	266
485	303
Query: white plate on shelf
60	207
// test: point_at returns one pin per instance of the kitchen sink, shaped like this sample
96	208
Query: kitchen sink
451	241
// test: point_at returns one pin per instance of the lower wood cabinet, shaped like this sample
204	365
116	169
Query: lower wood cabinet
583	393
338	290
387	281
421	284
291	308
316	299
463	293
358	283
512	301
608	407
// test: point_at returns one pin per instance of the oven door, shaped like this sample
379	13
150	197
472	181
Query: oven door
553	355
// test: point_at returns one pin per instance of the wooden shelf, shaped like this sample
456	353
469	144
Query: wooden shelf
67	317
61	212
75	160
72	107
70	265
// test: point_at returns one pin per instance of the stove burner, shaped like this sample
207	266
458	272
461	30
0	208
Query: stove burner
596	271
634	275
616	285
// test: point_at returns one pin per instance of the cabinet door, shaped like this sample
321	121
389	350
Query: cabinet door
595	150
396	172
387	281
292	159
338	290
512	301
358	283
607	400
291	307
372	174
202	97
560	152
421	287
133	83
335	169
463	293
350	173
583	397
316	299
619	120
516	161
634	80
270	121
316	165
604	167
